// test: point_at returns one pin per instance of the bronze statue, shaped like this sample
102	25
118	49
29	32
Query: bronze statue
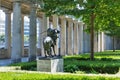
49	42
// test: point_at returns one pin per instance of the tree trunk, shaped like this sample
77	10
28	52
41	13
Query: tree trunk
92	36
113	44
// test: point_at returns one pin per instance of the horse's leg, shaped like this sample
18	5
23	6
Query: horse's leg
45	53
54	50
51	52
48	52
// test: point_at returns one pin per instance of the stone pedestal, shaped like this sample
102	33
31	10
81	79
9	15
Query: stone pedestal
50	65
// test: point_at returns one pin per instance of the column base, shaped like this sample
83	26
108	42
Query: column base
15	60
32	58
39	52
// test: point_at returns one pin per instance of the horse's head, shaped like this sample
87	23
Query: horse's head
53	33
56	31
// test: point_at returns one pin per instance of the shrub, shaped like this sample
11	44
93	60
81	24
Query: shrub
72	64
71	68
99	65
26	65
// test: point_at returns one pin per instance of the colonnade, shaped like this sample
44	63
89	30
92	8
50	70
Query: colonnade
73	40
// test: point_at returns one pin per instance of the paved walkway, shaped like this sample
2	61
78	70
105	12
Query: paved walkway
5	62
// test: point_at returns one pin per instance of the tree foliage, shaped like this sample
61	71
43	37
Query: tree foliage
97	14
113	31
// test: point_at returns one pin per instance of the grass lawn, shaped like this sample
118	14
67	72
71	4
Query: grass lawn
98	55
47	76
105	62
79	67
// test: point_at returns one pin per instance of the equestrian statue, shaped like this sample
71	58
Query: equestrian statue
49	42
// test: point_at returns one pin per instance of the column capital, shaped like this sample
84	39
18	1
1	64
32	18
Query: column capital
80	23
62	17
7	11
55	15
75	21
69	19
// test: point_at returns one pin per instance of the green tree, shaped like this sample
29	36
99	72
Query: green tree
114	31
112	21
93	13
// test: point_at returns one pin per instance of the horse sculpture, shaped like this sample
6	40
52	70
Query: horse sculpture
49	42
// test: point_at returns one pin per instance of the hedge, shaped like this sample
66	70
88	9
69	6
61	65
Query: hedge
105	62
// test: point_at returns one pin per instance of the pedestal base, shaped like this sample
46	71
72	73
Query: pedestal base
50	65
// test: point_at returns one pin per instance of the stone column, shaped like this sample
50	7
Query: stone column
66	39
63	36
86	40
32	33
39	36
75	37
80	37
73	31
45	25
16	34
55	25
99	42
69	32
95	42
22	33
102	41
8	32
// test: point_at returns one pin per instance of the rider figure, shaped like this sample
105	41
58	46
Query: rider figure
52	33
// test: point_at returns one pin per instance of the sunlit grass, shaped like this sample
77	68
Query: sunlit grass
108	54
99	55
45	76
